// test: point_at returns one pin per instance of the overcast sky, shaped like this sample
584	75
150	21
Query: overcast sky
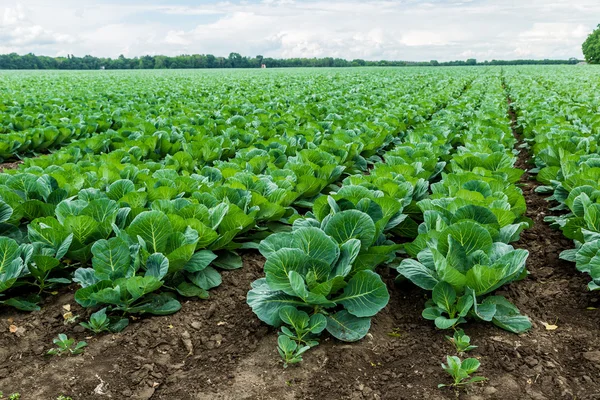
392	30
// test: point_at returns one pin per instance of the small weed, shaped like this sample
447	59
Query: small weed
395	333
461	341
64	345
461	371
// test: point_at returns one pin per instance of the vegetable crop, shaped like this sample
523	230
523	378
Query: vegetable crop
141	188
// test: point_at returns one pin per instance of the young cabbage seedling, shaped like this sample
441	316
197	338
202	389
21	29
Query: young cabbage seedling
290	351
461	371
99	322
302	328
64	345
445	301
461	341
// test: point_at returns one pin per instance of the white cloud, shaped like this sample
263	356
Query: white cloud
17	31
369	29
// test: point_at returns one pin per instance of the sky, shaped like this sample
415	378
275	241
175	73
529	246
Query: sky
368	29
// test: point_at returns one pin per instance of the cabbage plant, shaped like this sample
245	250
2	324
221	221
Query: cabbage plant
312	269
461	264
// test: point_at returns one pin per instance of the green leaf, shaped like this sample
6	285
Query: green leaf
317	323
85	296
9	252
64	247
418	273
266	302
112	259
592	217
587	257
444	296
82	227
120	188
207	278
464	305
21	304
347	327
157	265
6	212
348	253
365	295
63	281
188	290
569	255
44	264
297	285
217	213
154	227
102	210
85	277
287	345
442	322
33	209
475	213
280	263
470	235
158	304
199	261
432	313
275	242
108	295
507	316
483	278
316	244
484	311
228	260
292	316
119	325
138	286
235	221
180	257
470	365
351	224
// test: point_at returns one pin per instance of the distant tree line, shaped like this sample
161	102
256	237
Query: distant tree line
235	60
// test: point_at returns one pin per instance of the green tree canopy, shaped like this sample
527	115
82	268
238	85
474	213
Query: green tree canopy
591	47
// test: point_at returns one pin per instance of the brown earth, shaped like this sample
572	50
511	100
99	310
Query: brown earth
10	165
217	348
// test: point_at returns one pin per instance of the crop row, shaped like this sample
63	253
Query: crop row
473	214
562	124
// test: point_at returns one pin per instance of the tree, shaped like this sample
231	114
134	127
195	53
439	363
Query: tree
471	61
591	47
236	60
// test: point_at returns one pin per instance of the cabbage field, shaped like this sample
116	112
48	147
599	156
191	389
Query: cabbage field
360	233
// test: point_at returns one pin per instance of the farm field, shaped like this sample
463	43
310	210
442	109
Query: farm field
224	220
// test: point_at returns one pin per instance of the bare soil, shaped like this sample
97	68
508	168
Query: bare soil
10	165
217	349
